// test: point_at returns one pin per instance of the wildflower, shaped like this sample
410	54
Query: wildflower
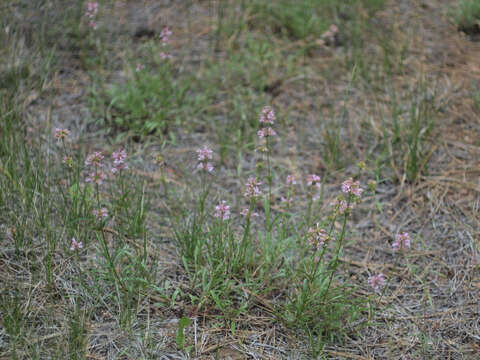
317	236
402	242
96	177
329	35
119	157
92	24
252	188
267	116
291	180
245	212
139	67
92	9
266	132
100	213
205	153
76	245
165	35
341	205
94	159
61	134
377	282
314	180
222	211
68	161
352	187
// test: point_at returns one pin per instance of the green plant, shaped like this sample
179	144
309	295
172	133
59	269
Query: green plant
467	16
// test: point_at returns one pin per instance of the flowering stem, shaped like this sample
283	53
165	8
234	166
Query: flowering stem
339	247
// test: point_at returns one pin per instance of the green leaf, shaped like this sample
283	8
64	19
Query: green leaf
182	323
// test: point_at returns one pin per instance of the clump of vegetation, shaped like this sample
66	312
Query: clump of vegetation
467	16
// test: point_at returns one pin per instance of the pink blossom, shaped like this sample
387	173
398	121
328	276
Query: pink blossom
245	212
317	236
352	187
139	67
119	157
342	205
94	159
92	9
76	245
222	211
314	180
291	180
165	35
266	132
377	282
60	134
267	116
96	177
402	242
205	153
208	167
252	188
100	213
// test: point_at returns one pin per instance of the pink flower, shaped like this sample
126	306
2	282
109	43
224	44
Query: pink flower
252	188
317	236
100	213
96	177
342	205
76	245
352	187
245	211
314	180
204	153
165	35
267	116
208	167
139	67
61	134
94	159
222	211
377	282
266	132
119	157
92	9
402	242
291	180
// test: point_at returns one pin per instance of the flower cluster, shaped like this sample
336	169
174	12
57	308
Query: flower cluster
291	180
61	134
252	188
76	245
204	155
352	187
92	10
165	38
245	212
317	236
139	67
119	157
97	176
266	132
267	116
328	37
341	205
377	282
222	211
101	213
94	159
314	180
402	242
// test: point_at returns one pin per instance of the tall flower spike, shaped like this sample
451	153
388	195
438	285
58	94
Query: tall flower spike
94	159
61	134
252	188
